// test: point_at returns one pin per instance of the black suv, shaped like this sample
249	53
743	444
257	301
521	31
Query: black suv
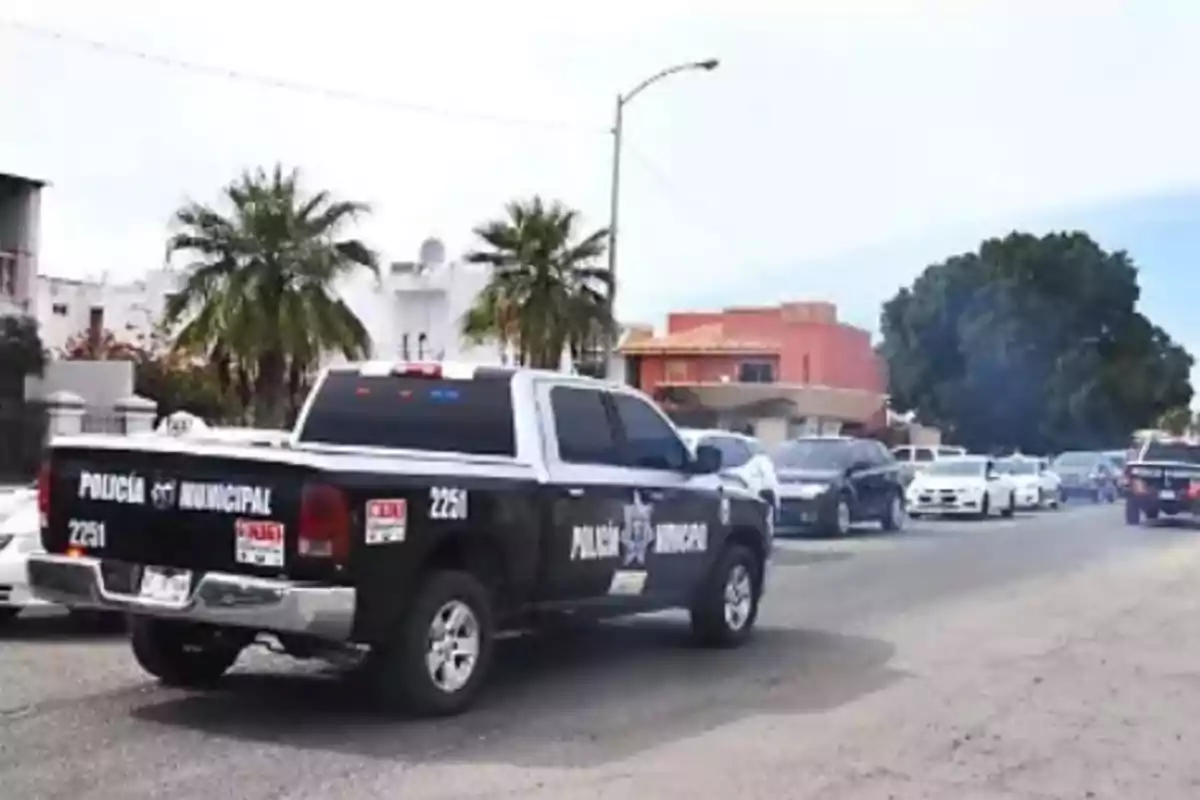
827	483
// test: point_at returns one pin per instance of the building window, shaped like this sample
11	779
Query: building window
756	372
8	274
59	309
676	371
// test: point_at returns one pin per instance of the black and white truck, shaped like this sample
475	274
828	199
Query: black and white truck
1163	480
416	511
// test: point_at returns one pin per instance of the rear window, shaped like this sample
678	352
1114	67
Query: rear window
453	416
1172	451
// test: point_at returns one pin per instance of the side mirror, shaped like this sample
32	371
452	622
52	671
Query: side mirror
707	460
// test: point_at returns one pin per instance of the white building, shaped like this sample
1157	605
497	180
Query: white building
20	218
68	307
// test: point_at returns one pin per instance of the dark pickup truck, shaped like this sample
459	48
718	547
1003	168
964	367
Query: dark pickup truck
1163	480
416	511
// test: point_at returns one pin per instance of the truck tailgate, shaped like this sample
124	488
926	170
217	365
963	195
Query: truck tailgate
200	511
1174	479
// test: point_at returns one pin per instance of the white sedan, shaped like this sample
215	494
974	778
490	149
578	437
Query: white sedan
966	485
19	537
742	458
1036	485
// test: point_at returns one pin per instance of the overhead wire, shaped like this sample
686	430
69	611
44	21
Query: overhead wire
111	49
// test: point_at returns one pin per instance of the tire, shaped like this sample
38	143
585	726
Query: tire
894	516
1133	514
8	614
1011	510
725	608
181	654
404	681
985	509
839	524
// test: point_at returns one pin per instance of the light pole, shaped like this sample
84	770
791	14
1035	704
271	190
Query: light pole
615	199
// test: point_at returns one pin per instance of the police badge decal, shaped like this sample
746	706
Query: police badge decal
162	495
637	534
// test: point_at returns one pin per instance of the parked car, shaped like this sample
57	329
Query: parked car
828	483
1119	459
1164	480
742	457
1086	474
1036	485
914	458
418	511
971	485
19	530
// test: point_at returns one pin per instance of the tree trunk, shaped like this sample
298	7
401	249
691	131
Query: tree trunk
270	392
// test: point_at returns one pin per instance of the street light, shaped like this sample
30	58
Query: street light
615	200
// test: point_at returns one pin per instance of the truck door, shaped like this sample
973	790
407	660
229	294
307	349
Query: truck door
588	494
687	513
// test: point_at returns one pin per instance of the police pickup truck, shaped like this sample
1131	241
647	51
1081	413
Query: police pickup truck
416	511
1163	480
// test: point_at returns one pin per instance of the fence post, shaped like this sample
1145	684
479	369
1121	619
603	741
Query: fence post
64	413
137	413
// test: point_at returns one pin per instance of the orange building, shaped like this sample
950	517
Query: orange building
774	371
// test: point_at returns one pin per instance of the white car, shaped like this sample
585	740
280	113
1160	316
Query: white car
1037	486
742	458
20	536
913	458
970	485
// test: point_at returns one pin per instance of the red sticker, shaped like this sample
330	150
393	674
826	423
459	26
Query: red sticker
259	542
387	521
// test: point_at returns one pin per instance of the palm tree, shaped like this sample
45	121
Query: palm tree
546	295
258	299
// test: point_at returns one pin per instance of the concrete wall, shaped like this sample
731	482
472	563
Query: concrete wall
100	383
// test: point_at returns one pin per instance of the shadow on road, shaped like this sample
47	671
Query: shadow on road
564	699
56	626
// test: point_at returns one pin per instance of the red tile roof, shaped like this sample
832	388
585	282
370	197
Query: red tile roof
709	338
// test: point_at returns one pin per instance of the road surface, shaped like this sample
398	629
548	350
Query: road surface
1045	656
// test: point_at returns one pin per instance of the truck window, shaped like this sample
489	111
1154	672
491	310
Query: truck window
582	427
923	454
413	413
650	443
1180	452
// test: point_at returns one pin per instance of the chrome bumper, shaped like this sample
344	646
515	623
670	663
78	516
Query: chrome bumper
218	598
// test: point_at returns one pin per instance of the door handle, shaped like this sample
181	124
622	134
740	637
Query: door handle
575	491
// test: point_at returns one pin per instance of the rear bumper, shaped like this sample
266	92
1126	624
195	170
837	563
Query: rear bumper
14	580
260	604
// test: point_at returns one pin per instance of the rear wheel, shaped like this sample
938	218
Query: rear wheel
182	654
442	652
726	604
1133	514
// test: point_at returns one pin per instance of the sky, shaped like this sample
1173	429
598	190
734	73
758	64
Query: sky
840	147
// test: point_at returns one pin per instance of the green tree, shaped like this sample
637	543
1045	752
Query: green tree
1031	342
1176	421
258	300
21	354
546	296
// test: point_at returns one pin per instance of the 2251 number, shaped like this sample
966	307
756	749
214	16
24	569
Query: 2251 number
447	503
85	533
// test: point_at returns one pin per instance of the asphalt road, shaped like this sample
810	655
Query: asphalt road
565	714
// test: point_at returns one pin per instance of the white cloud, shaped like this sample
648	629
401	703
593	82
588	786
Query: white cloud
829	126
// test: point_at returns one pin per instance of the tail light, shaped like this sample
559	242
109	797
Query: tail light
43	494
324	530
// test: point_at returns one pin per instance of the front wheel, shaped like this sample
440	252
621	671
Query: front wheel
726	604
442	652
894	515
1011	508
985	507
181	654
8	613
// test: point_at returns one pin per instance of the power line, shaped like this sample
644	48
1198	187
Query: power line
271	82
668	189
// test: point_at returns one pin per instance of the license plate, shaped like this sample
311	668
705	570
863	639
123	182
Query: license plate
1167	494
259	542
172	586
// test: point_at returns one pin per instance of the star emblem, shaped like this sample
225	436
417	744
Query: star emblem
637	534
